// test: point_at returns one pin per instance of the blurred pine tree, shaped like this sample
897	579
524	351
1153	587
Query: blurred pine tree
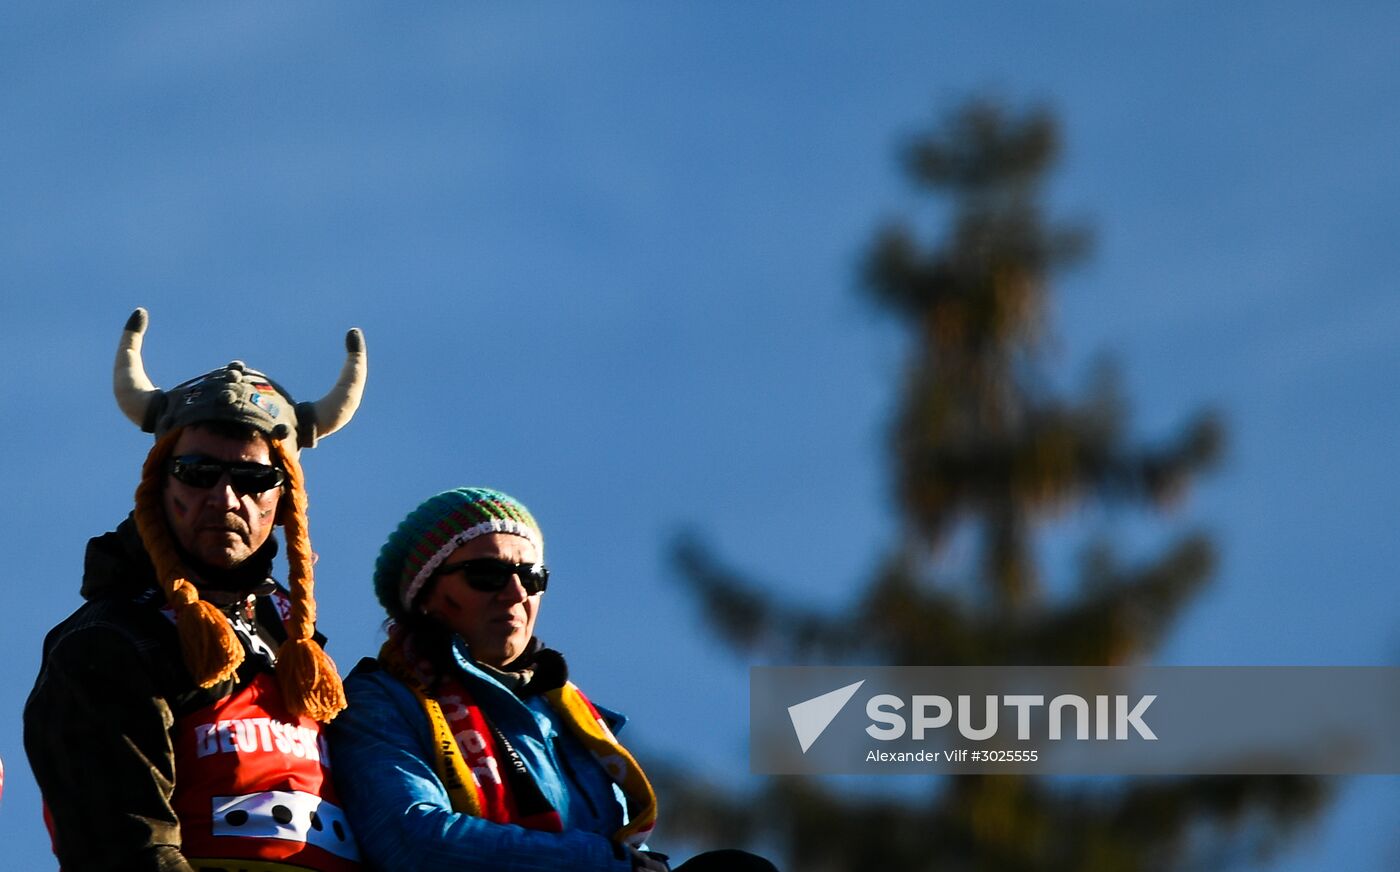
985	450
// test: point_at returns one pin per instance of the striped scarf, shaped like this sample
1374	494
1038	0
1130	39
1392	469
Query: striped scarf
484	774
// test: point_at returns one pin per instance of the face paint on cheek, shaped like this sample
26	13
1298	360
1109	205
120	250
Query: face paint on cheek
180	508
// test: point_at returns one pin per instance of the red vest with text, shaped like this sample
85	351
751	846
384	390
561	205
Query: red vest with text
253	790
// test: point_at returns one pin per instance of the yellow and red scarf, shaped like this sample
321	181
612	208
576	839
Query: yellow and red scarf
485	776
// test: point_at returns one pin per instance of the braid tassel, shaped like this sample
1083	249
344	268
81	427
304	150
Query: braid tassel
211	649
309	680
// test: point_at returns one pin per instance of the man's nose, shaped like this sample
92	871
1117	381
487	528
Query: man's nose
223	495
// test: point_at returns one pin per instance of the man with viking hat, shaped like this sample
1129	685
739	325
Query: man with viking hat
176	720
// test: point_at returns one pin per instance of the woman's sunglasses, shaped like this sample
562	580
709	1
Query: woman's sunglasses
246	477
490	575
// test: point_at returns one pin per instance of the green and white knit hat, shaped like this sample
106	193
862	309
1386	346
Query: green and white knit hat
441	525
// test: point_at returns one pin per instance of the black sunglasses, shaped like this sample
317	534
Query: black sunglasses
247	477
490	575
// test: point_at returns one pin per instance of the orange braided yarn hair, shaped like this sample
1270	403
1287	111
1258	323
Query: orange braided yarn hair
308	678
310	682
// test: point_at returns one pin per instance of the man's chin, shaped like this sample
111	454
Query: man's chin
221	550
221	555
220	559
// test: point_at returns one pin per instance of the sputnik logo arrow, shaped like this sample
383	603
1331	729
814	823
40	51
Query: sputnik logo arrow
811	718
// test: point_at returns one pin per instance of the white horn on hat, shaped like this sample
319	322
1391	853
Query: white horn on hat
134	390
337	407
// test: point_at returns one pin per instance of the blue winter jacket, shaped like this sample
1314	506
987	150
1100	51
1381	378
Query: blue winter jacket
401	813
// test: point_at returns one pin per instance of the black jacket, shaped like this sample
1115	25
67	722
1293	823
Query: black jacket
112	684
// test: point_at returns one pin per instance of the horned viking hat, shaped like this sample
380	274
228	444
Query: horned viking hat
237	394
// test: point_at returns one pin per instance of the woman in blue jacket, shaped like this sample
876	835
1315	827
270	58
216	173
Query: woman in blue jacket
465	746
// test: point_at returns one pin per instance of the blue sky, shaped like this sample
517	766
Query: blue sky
605	259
